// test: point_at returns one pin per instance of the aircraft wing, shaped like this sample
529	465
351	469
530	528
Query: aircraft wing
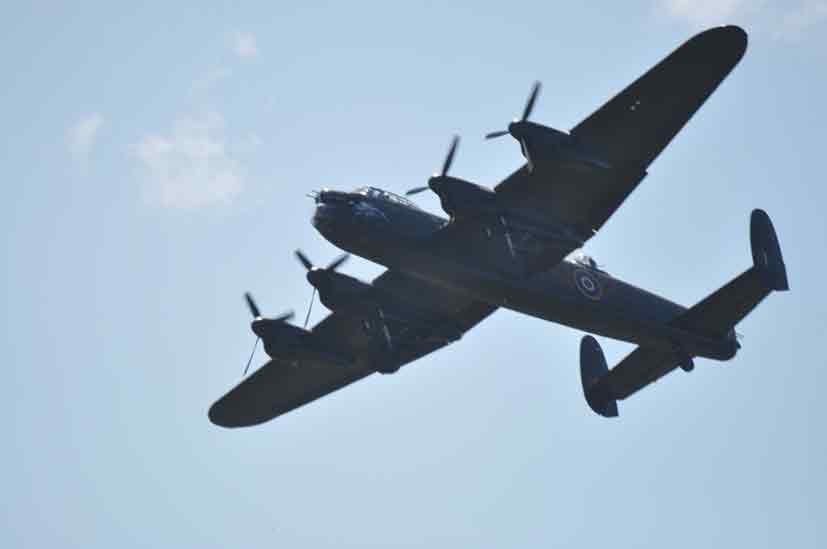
628	133
279	387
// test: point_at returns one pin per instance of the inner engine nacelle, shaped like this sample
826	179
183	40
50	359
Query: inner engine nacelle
463	199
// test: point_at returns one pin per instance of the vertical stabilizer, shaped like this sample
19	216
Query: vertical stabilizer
593	368
766	253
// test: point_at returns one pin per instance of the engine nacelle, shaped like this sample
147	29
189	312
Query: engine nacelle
463	199
542	145
280	338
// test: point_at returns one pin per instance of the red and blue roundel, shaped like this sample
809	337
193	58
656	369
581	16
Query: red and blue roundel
588	284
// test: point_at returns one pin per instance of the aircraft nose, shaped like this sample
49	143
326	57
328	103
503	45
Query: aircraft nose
328	214
330	197
330	206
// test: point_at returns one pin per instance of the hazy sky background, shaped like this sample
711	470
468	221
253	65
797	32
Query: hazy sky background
156	161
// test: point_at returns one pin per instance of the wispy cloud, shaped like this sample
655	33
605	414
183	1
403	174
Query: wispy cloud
244	45
796	22
789	20
706	12
82	135
209	81
190	166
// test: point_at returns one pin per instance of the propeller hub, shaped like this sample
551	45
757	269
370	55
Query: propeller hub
316	277
517	129
436	180
259	327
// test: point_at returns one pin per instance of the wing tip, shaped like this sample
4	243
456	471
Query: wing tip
222	415
729	38
218	417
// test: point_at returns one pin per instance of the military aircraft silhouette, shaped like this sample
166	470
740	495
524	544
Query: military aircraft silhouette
511	247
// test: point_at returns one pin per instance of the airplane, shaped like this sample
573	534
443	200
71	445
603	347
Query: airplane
513	246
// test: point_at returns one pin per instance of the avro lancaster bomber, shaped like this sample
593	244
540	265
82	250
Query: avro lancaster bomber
512	247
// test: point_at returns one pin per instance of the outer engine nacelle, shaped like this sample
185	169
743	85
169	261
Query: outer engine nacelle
280	338
542	145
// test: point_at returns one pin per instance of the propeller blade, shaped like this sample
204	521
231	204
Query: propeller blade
527	155
251	304
494	135
286	317
416	190
449	159
247	368
310	307
303	260
529	106
336	263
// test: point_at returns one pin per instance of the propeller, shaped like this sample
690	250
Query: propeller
529	106
517	127
257	319
251	304
313	273
446	165
332	266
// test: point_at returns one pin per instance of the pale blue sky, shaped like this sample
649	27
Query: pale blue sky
156	161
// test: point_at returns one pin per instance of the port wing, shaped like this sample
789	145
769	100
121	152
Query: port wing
349	354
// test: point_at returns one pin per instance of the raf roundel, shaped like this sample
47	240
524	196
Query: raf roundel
588	284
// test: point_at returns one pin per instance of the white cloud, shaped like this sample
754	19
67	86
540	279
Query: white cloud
244	45
706	12
209	80
190	167
788	19
797	22
81	136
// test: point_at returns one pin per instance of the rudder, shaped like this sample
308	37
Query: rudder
766	252
593	368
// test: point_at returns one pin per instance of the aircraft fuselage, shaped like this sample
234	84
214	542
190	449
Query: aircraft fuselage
388	230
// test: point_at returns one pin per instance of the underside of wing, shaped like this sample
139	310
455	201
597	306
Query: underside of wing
279	387
284	385
627	133
437	317
639	122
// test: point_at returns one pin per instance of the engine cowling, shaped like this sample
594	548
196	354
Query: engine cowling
279	338
462	199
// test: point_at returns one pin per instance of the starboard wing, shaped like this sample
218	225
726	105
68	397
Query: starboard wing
628	133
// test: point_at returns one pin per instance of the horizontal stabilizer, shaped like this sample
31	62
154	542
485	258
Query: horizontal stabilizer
593	369
713	318
718	313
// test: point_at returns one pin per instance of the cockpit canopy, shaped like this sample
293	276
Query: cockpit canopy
373	192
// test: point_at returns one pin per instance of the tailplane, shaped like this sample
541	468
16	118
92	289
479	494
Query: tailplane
717	314
714	317
766	253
